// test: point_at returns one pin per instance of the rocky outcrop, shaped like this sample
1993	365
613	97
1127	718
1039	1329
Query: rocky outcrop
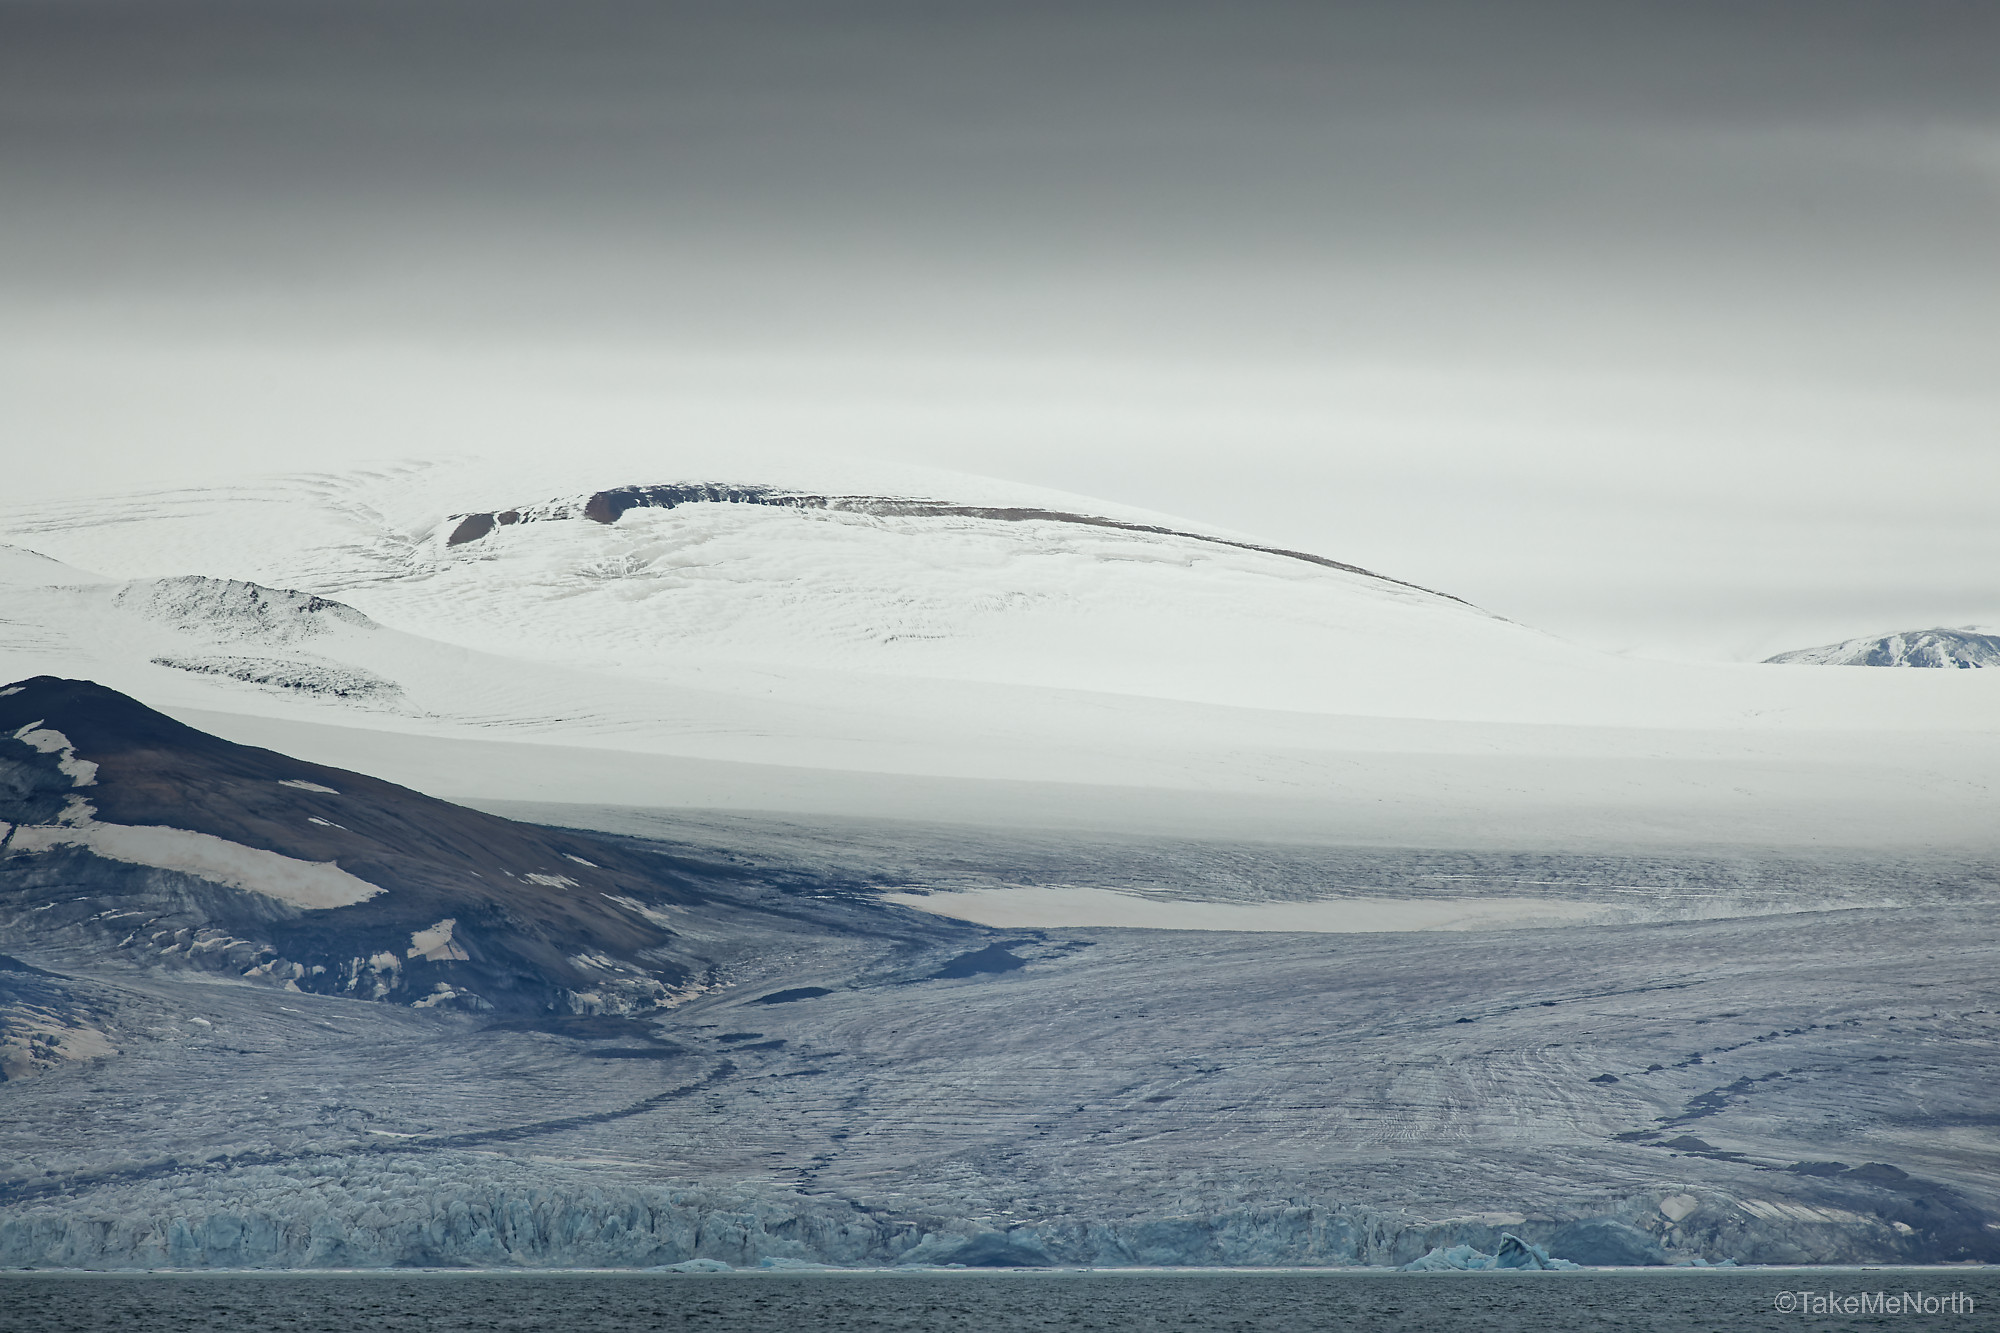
232	609
325	680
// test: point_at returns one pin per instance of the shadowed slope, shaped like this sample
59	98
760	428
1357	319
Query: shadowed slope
487	912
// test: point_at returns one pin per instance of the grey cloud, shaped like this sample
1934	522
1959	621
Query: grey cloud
1156	231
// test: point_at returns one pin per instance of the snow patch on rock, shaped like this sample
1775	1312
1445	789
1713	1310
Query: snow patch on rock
80	772
309	884
33	1041
435	943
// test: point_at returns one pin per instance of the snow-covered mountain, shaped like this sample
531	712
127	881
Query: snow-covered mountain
809	813
1964	647
695	584
852	641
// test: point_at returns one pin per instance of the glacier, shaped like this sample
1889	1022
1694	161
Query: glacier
1052	892
1654	1093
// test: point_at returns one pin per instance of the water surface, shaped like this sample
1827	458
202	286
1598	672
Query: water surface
991	1302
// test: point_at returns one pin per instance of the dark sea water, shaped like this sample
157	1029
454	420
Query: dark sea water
1667	1302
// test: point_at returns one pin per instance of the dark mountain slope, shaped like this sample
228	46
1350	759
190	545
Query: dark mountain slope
194	849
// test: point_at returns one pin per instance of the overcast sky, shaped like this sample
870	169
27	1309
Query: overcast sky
1668	327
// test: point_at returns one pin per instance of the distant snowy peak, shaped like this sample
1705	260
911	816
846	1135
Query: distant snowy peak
228	609
1965	647
608	506
22	568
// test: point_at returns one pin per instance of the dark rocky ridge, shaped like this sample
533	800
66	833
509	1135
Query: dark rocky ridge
608	506
526	903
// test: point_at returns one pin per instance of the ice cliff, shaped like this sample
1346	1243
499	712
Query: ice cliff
402	1212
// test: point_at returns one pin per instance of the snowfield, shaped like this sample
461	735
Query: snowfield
1070	906
891	658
